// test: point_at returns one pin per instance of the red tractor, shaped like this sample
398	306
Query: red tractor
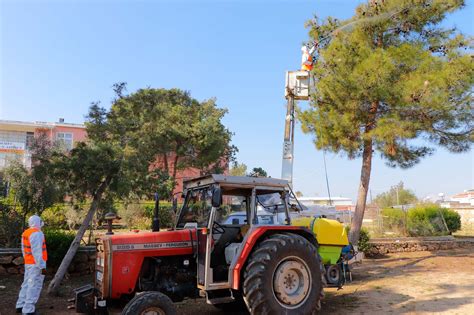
259	261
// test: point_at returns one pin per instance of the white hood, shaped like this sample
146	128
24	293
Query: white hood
35	222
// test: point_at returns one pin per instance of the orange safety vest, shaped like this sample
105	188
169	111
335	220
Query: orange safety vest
28	254
307	62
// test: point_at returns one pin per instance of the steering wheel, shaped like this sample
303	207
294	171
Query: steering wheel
217	228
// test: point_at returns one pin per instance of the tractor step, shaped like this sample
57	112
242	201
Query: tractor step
219	297
221	300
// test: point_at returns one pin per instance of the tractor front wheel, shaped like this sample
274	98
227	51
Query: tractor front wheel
150	303
283	276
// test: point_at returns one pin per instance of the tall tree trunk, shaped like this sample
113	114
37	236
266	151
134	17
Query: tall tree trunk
175	166
165	162
364	177
58	277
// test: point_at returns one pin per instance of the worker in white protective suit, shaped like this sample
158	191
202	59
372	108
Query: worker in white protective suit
33	246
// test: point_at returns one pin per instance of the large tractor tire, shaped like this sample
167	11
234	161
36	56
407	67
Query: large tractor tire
283	276
150	303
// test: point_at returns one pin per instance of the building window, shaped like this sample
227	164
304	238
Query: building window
30	139
65	139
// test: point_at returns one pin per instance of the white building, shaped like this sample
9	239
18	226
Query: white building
341	203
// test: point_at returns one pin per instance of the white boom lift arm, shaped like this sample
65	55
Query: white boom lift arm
296	88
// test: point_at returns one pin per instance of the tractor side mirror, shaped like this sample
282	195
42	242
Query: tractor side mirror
217	197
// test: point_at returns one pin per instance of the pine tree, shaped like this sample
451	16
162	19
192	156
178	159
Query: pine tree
391	79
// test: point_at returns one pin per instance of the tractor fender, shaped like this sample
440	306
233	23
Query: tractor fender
254	235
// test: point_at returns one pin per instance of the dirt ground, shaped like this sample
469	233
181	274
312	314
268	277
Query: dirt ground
404	283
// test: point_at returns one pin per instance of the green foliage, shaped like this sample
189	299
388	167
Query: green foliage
241	170
57	243
238	169
391	79
28	191
258	172
427	220
390	75
394	219
55	217
166	214
364	238
452	218
11	223
140	215
397	195
168	124
363	243
36	189
422	220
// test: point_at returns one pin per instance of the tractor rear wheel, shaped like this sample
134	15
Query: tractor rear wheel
283	276
150	303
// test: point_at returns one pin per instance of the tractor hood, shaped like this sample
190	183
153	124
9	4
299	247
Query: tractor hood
145	241
126	252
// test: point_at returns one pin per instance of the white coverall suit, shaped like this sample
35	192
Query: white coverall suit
33	280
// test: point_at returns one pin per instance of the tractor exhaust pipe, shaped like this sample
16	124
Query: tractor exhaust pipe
155	227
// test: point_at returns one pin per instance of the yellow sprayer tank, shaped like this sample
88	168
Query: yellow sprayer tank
330	234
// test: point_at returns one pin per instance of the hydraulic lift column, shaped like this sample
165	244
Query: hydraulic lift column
296	88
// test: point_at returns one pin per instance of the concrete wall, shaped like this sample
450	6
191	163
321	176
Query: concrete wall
11	261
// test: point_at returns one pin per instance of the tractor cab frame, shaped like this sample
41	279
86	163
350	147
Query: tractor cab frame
210	201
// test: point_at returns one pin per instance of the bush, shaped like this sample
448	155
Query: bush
363	244
11	225
57	243
140	216
166	215
394	220
427	220
55	216
452	218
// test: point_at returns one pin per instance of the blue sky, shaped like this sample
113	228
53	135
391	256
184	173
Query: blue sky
58	56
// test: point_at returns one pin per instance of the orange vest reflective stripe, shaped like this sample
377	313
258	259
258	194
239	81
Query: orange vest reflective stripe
28	254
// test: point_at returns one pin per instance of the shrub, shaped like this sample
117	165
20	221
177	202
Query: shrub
452	218
363	245
57	243
166	215
55	216
393	219
12	224
140	216
427	220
